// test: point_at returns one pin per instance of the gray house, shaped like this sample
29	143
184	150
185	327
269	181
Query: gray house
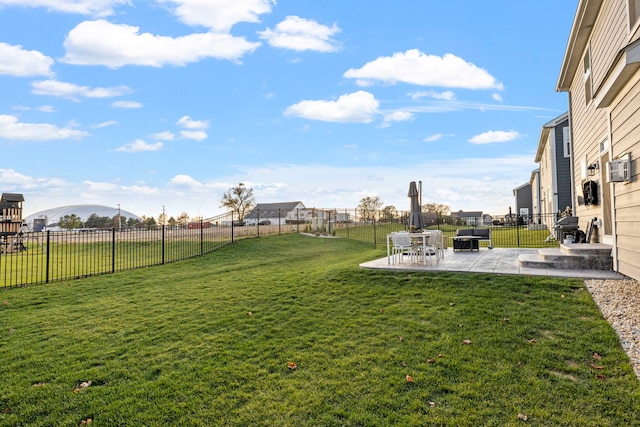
555	175
278	213
524	201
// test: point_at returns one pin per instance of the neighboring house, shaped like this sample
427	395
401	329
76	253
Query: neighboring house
278	213
600	71
469	218
523	198
10	214
536	196
554	158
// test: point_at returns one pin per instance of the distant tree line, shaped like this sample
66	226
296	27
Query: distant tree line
73	221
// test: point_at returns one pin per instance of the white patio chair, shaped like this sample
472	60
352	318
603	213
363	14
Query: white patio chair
401	244
434	246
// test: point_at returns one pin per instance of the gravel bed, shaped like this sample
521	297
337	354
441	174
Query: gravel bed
619	302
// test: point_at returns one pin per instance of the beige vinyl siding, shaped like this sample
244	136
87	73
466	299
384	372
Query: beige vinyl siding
610	35
589	127
625	128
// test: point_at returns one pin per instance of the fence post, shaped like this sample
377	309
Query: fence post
201	236
346	220
374	232
258	223
279	222
518	229
163	237
232	227
113	250
48	258
298	219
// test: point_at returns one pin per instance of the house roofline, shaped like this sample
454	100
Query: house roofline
583	21
544	134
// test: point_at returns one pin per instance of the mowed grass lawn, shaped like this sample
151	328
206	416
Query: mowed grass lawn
212	340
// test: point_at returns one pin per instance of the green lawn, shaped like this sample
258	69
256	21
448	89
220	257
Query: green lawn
208	341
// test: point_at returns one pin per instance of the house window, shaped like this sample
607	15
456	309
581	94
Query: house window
566	141
634	12
586	63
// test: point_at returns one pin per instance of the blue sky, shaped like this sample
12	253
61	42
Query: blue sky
169	103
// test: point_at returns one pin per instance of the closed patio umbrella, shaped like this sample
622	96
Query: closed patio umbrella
415	217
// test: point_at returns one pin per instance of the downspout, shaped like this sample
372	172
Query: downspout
614	223
574	203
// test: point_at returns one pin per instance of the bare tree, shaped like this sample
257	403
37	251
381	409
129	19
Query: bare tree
439	208
183	219
389	213
239	200
369	206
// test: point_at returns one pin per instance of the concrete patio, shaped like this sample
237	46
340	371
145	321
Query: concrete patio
496	261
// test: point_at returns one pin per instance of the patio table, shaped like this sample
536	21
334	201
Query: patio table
422	238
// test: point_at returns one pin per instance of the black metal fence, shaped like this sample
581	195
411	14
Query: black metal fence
44	257
506	230
49	256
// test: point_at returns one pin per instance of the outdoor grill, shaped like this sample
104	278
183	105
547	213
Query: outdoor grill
564	226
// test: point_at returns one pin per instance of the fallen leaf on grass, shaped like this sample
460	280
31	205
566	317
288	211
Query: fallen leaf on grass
467	342
87	421
522	416
431	360
597	356
400	338
532	341
432	404
601	377
292	365
39	384
440	355
506	320
597	367
82	386
250	314
6	303
409	379
404	364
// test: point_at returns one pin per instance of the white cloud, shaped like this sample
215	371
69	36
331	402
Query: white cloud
18	62
139	146
433	138
446	95
163	136
185	181
398	116
196	135
127	104
73	91
357	107
46	109
105	124
301	34
188	123
11	128
219	15
415	67
497	97
83	7
494	136
116	45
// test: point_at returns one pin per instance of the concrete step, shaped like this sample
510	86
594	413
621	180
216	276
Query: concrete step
534	261
581	259
590	249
